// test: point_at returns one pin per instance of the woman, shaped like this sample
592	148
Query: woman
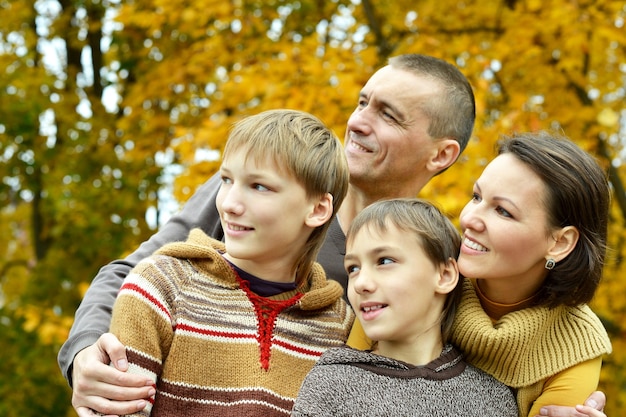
534	245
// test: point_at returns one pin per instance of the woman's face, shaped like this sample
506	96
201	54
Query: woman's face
505	226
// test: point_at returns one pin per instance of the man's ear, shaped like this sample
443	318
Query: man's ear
448	277
321	211
565	240
445	153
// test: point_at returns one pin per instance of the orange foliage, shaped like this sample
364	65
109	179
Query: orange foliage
185	71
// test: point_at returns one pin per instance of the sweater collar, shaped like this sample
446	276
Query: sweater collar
448	365
203	252
528	345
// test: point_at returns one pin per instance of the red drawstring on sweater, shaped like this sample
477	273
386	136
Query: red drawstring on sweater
266	312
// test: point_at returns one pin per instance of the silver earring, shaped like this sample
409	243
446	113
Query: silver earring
550	263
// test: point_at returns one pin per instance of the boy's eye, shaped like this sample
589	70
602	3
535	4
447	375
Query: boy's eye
226	180
259	187
385	261
475	197
351	269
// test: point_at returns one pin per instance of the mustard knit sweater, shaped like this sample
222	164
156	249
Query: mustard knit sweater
212	346
526	347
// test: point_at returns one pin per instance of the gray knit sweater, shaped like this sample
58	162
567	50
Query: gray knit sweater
350	382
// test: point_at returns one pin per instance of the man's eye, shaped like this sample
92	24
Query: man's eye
389	116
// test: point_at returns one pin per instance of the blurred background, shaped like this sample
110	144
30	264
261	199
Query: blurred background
113	112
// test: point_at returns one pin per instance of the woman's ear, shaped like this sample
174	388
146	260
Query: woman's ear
321	211
448	277
565	240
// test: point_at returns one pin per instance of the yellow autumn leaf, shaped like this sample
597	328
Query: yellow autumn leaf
608	117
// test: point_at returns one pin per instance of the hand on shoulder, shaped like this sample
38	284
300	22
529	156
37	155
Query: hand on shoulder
103	388
594	407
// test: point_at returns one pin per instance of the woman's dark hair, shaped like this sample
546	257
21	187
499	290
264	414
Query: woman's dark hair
577	194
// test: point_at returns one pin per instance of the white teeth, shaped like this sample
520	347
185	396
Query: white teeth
237	228
359	147
473	245
372	308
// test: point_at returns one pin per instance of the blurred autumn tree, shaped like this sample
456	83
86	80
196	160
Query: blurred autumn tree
100	99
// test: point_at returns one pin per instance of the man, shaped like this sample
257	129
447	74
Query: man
401	134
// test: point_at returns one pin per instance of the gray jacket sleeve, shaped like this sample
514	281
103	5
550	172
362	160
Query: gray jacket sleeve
94	313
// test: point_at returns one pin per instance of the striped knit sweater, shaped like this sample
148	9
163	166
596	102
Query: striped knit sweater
212	346
526	347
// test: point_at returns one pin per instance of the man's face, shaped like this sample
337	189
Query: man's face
387	142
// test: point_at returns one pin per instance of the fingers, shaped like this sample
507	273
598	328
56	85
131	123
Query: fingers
84	412
99	380
596	400
126	396
559	411
578	411
91	373
110	408
594	405
589	411
113	350
98	386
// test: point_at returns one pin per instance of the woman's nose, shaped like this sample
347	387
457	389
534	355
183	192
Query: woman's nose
471	217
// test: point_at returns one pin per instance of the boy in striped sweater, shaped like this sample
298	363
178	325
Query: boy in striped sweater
232	328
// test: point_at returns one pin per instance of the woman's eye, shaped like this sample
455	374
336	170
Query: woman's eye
503	212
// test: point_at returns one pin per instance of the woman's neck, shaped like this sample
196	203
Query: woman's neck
496	309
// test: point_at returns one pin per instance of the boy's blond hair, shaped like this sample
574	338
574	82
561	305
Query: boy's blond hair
301	146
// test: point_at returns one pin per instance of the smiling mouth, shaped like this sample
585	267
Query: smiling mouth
355	144
372	308
359	147
236	228
474	245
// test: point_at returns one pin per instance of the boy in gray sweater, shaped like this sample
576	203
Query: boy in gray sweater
404	285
